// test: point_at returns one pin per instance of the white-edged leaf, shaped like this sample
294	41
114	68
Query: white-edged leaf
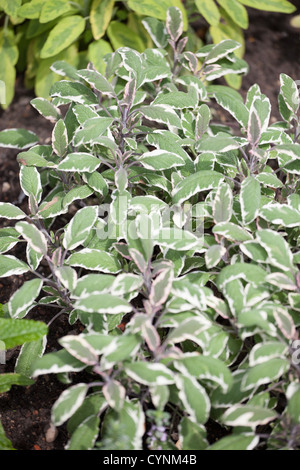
197	182
222	204
79	162
95	260
10	211
80	226
78	347
33	236
279	253
150	373
103	303
250	199
248	416
68	402
24	298
30	181
194	398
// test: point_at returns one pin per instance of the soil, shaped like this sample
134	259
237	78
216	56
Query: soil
272	47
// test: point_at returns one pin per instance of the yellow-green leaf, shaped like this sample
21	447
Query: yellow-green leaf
31	10
270	5
97	51
209	10
121	36
63	35
236	11
52	9
157	9
100	16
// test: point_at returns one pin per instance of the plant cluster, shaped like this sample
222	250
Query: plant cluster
36	33
172	242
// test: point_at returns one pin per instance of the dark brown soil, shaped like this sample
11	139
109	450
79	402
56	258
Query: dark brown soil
272	47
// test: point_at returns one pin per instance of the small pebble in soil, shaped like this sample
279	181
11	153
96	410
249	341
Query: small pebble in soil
5	187
51	433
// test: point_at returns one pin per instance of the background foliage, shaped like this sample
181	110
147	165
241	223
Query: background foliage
37	33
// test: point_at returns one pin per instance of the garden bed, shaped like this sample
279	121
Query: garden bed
272	48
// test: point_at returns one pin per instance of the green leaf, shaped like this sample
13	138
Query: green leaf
28	354
157	10
8	380
236	11
80	226
200	181
17	139
17	332
121	35
293	408
24	297
31	10
85	434
192	435
10	211
52	9
68	402
270	5
209	10
5	443
63	35
100	16
11	6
